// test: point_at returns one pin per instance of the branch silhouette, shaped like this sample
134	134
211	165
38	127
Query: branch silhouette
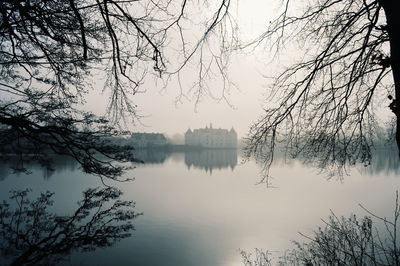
29	234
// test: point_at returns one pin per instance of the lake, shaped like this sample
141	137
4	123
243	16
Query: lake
203	207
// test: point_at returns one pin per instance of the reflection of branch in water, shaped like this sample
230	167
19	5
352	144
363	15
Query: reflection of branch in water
11	164
29	234
384	161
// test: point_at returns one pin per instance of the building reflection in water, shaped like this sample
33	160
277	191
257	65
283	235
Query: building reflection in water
205	159
152	156
384	161
31	235
209	159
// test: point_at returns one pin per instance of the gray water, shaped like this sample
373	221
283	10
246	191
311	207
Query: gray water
201	208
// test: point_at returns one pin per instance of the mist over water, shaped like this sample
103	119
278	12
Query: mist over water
202	207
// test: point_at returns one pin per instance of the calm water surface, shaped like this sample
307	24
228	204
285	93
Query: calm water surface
201	208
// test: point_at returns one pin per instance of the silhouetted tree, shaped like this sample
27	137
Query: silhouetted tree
30	235
342	241
50	48
323	106
258	258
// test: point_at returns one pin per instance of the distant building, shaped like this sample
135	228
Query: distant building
209	137
148	140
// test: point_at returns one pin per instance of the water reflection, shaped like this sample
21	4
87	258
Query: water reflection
211	159
30	234
384	161
195	219
152	156
205	159
12	165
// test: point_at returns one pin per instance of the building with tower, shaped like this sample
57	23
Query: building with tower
210	137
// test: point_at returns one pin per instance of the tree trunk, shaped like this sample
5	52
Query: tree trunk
393	28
